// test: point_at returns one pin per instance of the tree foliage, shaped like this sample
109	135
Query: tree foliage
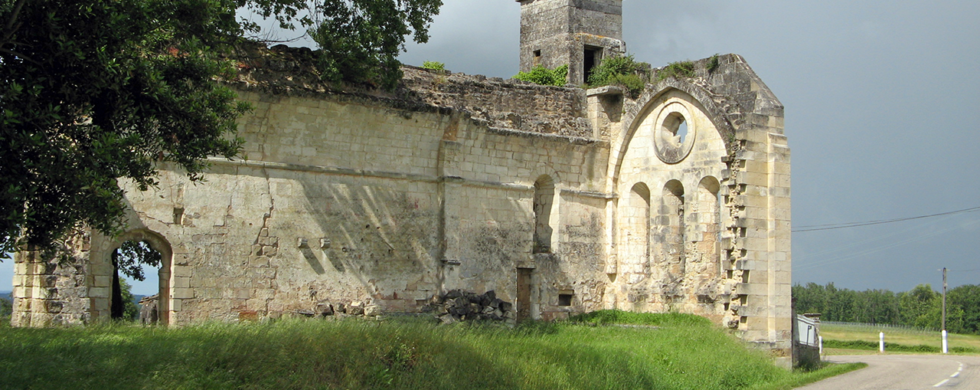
131	255
358	40
131	309
6	307
920	307
96	90
92	91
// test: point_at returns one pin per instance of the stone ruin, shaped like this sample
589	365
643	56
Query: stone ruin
561	200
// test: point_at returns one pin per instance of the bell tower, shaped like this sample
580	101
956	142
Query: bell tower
579	33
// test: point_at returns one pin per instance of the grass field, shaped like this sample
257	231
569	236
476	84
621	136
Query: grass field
853	338
681	352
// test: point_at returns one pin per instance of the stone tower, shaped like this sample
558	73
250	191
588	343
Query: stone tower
579	33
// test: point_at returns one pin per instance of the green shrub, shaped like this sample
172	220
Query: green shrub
609	68
433	65
712	63
624	71
540	75
677	70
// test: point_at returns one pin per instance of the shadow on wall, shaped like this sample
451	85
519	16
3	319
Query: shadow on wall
372	233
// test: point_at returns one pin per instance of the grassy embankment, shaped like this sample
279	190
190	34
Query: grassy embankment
856	339
682	352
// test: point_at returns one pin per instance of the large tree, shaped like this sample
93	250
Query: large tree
92	91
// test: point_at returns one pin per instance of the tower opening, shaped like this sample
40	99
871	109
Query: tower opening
592	57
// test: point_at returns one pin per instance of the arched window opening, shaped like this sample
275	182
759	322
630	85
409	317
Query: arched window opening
135	281
544	200
670	227
636	223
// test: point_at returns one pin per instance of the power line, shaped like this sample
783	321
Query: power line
813	228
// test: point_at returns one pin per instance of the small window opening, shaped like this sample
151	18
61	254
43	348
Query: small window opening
537	57
178	215
592	57
565	299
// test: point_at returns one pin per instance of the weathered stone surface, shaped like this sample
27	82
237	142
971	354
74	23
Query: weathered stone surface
324	308
553	201
355	309
372	310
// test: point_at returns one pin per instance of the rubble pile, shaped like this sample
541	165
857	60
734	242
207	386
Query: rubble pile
458	305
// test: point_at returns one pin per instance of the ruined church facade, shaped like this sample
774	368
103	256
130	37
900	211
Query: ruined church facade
561	200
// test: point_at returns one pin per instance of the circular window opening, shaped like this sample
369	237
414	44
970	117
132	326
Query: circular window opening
675	134
674	130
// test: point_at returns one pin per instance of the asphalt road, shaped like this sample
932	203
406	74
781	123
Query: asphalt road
905	372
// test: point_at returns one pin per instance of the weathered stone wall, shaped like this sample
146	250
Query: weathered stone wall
667	257
508	104
745	161
51	289
347	199
557	32
557	199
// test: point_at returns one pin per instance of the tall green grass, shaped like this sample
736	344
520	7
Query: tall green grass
682	352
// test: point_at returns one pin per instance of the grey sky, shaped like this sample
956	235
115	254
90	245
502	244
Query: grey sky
881	112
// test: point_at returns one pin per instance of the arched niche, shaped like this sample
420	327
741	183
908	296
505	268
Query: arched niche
705	231
635	230
544	216
669	233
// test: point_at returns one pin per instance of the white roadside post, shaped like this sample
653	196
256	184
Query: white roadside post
881	342
945	342
820	342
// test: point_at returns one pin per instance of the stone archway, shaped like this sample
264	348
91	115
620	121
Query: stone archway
159	244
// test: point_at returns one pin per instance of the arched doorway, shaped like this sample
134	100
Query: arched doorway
140	254
135	274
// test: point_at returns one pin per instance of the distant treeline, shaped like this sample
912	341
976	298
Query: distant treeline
6	304
920	307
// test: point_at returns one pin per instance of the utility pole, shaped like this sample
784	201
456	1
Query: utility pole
945	340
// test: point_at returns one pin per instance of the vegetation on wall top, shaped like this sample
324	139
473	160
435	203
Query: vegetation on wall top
557	77
678	69
623	71
433	65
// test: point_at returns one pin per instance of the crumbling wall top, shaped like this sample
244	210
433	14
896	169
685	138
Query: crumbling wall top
508	104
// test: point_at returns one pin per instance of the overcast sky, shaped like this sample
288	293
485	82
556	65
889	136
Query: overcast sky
882	113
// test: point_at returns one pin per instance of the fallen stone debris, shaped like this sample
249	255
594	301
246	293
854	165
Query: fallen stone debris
450	307
457	305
